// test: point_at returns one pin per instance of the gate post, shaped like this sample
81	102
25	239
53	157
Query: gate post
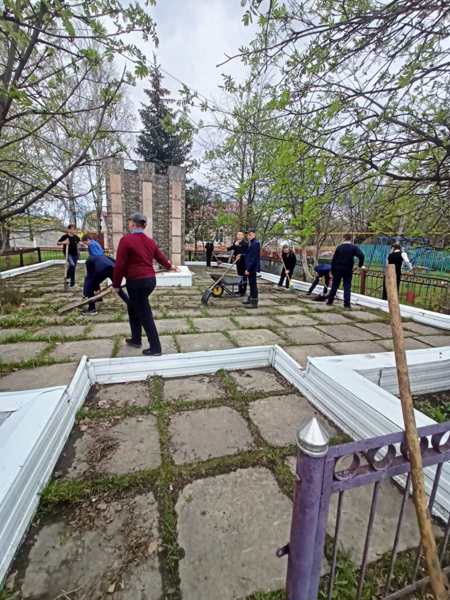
312	442
362	281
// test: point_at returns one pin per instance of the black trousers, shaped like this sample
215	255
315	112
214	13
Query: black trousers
338	276
316	282
253	283
240	268
283	276
140	313
399	279
208	259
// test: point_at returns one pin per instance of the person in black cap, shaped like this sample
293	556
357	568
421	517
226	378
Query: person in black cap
134	261
239	249
252	267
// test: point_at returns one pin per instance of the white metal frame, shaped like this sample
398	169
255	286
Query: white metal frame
164	279
357	393
32	439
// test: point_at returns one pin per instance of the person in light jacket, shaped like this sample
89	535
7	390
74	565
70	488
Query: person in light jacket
289	261
397	258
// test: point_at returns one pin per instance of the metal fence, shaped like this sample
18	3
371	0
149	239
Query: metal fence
20	257
425	257
320	475
431	293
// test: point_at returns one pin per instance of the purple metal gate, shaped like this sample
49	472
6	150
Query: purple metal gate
319	476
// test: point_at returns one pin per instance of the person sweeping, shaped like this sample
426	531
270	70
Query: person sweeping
289	261
239	249
134	261
98	268
71	240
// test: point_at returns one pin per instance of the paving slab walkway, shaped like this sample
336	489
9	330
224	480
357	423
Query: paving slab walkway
188	498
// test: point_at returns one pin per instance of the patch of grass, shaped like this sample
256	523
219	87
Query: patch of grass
192	327
279	595
117	345
10	296
75	491
434	405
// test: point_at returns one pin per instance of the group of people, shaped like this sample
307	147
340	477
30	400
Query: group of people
245	254
136	253
134	262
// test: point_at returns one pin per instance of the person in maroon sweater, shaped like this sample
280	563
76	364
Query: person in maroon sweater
134	261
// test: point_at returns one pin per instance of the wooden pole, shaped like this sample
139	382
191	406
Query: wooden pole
68	307
439	582
66	266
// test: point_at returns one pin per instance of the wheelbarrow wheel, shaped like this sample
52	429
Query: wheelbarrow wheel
217	291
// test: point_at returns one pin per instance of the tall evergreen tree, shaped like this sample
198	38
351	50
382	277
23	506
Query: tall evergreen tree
166	137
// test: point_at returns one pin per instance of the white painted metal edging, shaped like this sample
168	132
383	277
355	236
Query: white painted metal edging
31	442
164	279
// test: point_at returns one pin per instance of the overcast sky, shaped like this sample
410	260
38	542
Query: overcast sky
194	36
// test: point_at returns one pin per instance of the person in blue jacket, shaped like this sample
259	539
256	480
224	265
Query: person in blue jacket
321	270
252	268
94	248
98	268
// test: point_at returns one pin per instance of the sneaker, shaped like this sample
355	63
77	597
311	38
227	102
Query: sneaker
347	308
86	311
133	344
150	352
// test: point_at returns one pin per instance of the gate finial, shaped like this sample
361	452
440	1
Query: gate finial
312	438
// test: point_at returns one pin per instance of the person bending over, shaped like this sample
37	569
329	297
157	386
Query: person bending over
342	269
289	261
321	270
70	239
94	248
98	269
134	261
239	249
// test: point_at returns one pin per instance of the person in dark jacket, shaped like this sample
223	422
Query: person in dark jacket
252	267
321	270
397	258
209	247
342	269
70	239
134	261
98	268
239	248
289	261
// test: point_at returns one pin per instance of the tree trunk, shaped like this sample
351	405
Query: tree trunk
98	197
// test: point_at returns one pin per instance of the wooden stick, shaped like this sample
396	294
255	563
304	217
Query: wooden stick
66	267
78	303
439	582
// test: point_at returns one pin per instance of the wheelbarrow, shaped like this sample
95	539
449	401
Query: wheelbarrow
226	285
219	287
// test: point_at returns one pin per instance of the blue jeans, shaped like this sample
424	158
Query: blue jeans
338	276
72	265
